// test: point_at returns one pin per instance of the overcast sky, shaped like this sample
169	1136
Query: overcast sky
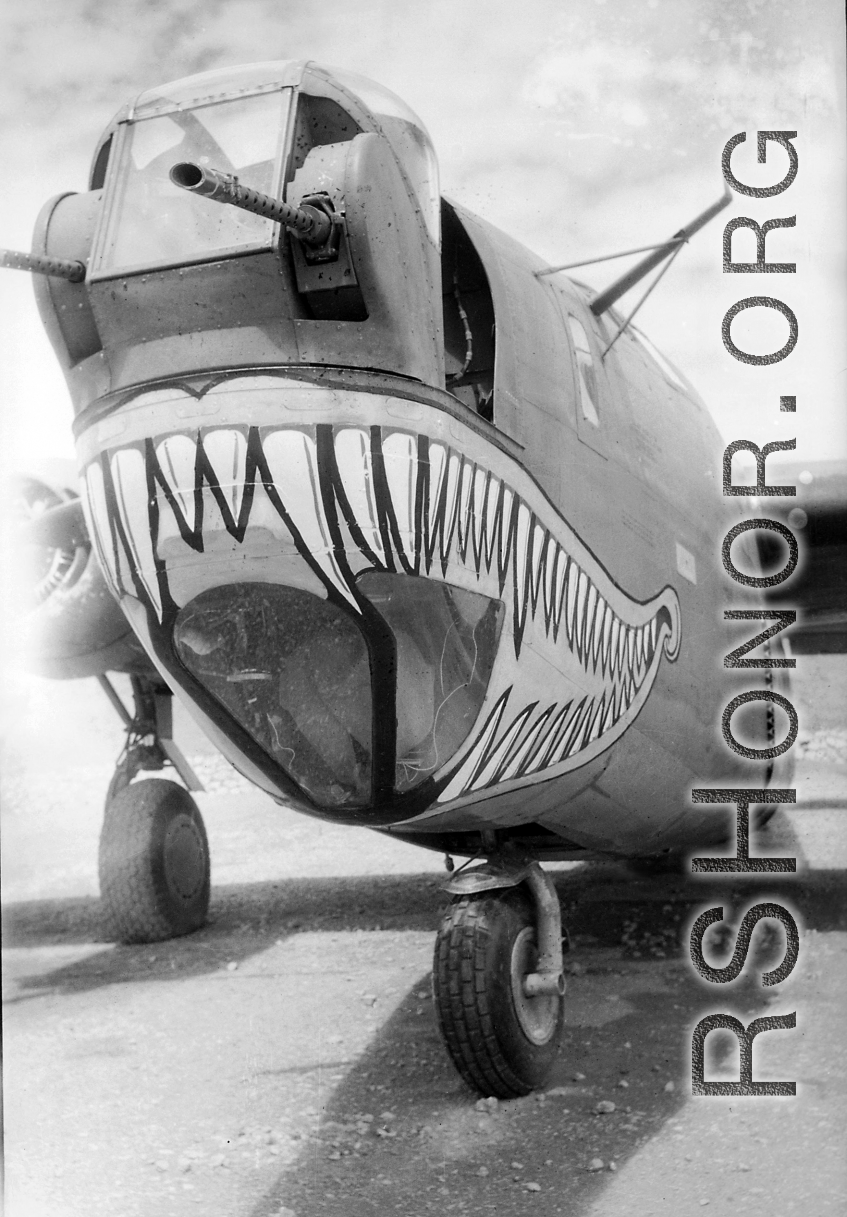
579	126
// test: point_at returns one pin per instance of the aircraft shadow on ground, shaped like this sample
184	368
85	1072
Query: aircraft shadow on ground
604	903
430	1154
403	1133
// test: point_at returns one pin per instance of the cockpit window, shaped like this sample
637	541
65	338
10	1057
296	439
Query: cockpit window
586	372
153	222
409	140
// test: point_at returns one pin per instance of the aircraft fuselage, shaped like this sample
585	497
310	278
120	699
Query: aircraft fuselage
432	559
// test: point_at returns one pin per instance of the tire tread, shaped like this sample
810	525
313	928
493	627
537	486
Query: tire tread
132	909
464	1010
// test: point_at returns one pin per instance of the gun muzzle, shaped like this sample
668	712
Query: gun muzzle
59	268
311	225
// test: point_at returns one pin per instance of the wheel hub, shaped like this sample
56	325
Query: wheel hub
185	864
538	1016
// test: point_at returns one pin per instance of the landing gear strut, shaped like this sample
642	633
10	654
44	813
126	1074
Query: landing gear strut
154	854
498	979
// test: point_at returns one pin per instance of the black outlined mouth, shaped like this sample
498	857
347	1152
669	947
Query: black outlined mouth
337	500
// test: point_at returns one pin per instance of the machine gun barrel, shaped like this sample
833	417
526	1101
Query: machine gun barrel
59	268
607	298
311	225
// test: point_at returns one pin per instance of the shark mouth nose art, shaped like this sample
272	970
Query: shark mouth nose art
551	660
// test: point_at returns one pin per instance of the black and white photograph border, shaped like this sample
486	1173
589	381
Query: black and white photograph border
271	1043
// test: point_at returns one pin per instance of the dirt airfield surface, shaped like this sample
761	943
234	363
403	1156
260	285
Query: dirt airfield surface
286	1058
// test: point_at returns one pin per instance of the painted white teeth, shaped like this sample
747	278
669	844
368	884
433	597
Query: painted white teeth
577	729
558	601
558	728
353	457
643	663
613	645
590	624
128	472
469	505
597	640
454	471
605	656
480	486
516	761
177	457
572	733
521	554
98	523
437	465
570	604
503	533
491	502
590	720
464	507
549	578
620	652
579	620
540	556
399	452
292	461
495	760
226	452
594	728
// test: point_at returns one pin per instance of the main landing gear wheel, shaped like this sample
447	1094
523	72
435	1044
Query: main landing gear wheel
154	863
502	1042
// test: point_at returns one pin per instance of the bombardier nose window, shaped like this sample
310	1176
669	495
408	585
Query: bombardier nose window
446	641
297	674
293	671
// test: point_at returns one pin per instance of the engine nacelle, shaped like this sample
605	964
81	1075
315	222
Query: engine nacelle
69	624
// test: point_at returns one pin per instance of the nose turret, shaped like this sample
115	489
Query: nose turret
338	265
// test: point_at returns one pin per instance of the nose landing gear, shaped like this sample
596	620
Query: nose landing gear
499	987
154	854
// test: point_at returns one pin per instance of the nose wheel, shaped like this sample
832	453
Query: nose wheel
503	1040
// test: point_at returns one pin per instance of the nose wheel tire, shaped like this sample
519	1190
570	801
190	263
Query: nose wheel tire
154	863
502	1042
